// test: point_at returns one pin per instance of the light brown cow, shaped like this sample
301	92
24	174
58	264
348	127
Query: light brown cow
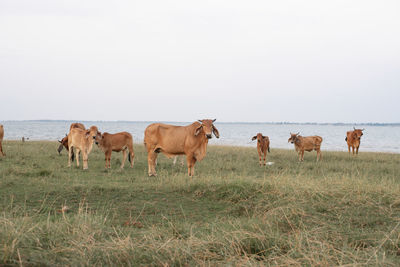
1	140
172	140
116	142
262	146
353	139
81	140
64	142
307	143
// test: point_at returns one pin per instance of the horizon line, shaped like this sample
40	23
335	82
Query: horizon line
227	122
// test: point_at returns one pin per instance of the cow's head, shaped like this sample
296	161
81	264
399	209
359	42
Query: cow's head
357	133
208	128
93	132
259	137
99	138
293	137
63	143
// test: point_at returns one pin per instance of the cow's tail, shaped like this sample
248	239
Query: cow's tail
345	139
269	151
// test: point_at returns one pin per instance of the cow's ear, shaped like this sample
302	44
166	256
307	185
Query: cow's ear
215	131
196	133
265	137
59	141
254	138
87	133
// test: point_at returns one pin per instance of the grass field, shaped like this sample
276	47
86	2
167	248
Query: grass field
340	211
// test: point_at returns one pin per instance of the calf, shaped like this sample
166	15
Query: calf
64	142
353	139
81	140
1	140
262	146
307	143
116	142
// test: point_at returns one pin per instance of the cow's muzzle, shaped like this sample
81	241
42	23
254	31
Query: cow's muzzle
209	136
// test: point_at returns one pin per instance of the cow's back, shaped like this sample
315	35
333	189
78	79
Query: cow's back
168	138
118	140
76	138
311	142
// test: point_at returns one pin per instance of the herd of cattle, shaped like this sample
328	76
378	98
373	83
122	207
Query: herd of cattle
171	140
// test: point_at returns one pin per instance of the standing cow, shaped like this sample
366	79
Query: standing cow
64	142
172	140
353	139
116	142
1	140
81	140
306	143
262	146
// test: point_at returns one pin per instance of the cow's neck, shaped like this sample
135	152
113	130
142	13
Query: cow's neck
202	148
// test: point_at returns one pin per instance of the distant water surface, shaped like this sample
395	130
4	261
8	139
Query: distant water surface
384	138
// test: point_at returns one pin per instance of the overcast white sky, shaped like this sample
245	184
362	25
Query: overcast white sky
263	61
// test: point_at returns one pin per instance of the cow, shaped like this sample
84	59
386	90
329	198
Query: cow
116	142
307	143
1	140
262	146
172	140
353	139
81	140
64	142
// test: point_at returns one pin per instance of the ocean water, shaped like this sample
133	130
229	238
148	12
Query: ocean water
376	138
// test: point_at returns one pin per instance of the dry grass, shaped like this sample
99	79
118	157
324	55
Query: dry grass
341	211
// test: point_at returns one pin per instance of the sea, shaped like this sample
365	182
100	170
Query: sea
376	138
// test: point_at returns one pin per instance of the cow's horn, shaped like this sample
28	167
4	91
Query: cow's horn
354	127
298	133
200	121
214	120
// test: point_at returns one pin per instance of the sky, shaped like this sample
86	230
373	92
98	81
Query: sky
236	61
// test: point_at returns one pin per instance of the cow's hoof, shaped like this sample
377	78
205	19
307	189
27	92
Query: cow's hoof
152	174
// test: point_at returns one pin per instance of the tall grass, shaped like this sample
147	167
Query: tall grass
341	211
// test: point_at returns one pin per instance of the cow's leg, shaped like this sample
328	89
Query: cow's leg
124	156
69	156
85	159
190	162
77	156
318	154
357	150
151	161
1	149
132	155
352	148
174	162
302	155
265	157
348	146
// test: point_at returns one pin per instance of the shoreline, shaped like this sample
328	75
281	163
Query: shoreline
214	145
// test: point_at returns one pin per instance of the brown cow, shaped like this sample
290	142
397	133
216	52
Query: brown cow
353	139
1	140
307	143
262	146
116	142
172	140
64	142
81	140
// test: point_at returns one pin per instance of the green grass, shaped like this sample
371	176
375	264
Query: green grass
340	211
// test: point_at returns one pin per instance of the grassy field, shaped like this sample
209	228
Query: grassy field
341	211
